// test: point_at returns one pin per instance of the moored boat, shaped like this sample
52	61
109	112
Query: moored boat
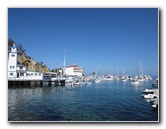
108	78
149	96
135	82
155	82
155	106
146	91
76	83
97	80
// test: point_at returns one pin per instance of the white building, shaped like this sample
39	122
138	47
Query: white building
73	70
12	62
20	72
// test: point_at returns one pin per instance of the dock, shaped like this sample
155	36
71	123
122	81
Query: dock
36	82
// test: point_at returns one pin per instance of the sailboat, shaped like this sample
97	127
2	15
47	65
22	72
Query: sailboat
141	79
108	77
123	78
135	81
97	79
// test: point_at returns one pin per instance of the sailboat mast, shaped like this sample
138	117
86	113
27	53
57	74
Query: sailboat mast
140	69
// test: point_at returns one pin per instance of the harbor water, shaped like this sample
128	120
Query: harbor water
106	101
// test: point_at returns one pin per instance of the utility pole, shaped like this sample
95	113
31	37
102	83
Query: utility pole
64	64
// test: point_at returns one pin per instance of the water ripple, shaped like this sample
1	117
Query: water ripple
103	102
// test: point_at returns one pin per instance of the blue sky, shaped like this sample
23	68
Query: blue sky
94	38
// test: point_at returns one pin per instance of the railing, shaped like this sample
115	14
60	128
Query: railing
26	78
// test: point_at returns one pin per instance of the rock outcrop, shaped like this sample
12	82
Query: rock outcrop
31	64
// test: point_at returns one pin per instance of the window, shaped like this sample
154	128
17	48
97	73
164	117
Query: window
27	74
11	74
13	55
21	67
21	74
35	74
12	67
31	73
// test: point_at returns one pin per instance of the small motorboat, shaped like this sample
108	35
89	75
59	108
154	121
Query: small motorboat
77	83
155	83
148	91
149	96
135	82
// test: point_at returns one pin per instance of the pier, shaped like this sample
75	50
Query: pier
36	82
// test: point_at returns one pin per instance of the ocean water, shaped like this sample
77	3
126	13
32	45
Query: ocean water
113	101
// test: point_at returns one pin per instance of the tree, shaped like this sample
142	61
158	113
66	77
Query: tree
41	63
10	44
20	48
26	62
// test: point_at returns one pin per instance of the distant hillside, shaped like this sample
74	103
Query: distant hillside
25	60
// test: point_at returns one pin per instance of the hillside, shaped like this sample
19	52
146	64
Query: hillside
31	64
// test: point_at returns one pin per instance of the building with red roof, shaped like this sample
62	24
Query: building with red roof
73	70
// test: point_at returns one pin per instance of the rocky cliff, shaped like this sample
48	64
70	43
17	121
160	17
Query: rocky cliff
31	64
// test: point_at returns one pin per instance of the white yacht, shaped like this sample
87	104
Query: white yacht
149	96
155	83
108	78
97	80
147	91
141	79
77	83
135	82
124	79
